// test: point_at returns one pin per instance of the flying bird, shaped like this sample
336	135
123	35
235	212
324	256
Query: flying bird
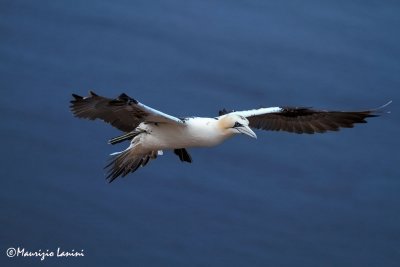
151	131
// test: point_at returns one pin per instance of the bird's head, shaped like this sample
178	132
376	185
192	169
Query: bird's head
236	124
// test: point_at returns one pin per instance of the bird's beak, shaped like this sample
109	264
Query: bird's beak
246	130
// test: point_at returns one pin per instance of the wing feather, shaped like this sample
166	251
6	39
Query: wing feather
123	112
304	119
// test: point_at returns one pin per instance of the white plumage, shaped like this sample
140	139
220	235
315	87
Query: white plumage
151	131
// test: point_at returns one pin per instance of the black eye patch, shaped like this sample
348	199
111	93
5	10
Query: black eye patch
237	124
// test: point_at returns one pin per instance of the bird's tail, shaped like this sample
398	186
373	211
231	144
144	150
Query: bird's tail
128	161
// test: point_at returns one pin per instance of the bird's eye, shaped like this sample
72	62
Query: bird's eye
237	124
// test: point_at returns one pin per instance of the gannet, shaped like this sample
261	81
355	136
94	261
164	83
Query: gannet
151	131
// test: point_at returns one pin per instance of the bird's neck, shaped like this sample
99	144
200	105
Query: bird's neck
207	131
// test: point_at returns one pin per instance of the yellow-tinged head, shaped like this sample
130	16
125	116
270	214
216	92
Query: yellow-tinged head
235	124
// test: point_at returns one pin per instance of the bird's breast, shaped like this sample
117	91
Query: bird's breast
200	133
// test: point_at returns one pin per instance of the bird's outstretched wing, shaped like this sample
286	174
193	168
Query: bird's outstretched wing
303	119
123	112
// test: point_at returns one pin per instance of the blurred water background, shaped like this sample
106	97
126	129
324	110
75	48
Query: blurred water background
281	200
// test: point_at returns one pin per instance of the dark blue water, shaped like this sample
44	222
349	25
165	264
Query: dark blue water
281	200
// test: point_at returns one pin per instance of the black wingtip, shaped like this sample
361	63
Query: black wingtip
125	97
77	97
91	93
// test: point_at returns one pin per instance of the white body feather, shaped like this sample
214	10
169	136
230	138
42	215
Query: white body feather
196	132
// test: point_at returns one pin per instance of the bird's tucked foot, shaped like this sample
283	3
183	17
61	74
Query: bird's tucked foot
183	155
